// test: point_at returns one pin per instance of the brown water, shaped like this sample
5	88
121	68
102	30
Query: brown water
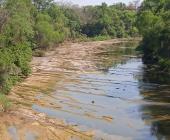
104	88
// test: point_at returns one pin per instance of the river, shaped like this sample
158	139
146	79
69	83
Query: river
99	87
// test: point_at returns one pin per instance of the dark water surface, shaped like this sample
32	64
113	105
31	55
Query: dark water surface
118	99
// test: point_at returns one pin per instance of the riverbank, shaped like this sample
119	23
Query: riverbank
89	90
57	65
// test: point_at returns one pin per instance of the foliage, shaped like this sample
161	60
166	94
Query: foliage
15	50
154	24
44	31
114	21
101	38
39	53
4	103
29	26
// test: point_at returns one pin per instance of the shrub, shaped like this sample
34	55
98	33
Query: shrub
4	103
39	53
101	38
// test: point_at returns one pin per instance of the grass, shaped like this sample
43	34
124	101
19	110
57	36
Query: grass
100	38
39	53
4	103
96	38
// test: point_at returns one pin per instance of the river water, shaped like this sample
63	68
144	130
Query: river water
107	90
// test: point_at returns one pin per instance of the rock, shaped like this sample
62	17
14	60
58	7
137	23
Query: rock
1	108
93	102
51	121
107	118
35	124
42	115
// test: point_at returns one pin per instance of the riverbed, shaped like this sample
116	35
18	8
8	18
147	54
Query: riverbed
90	90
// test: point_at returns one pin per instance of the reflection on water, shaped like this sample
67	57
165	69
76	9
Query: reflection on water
118	99
157	115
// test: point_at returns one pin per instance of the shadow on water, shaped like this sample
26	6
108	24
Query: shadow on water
158	91
157	115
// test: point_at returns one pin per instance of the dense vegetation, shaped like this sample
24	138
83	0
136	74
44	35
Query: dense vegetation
30	25
154	24
115	21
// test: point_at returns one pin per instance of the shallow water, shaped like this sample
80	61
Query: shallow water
13	132
107	90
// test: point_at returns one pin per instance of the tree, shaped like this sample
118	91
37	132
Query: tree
154	24
42	4
28	25
16	34
115	21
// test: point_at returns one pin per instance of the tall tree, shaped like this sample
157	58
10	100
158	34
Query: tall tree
154	24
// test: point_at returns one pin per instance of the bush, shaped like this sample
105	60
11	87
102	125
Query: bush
153	23
101	38
39	53
4	103
164	64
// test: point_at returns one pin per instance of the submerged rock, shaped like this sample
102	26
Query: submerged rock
92	102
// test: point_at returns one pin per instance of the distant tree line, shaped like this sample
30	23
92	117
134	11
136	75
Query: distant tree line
115	21
28	25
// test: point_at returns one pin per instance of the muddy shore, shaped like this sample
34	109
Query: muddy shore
21	122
